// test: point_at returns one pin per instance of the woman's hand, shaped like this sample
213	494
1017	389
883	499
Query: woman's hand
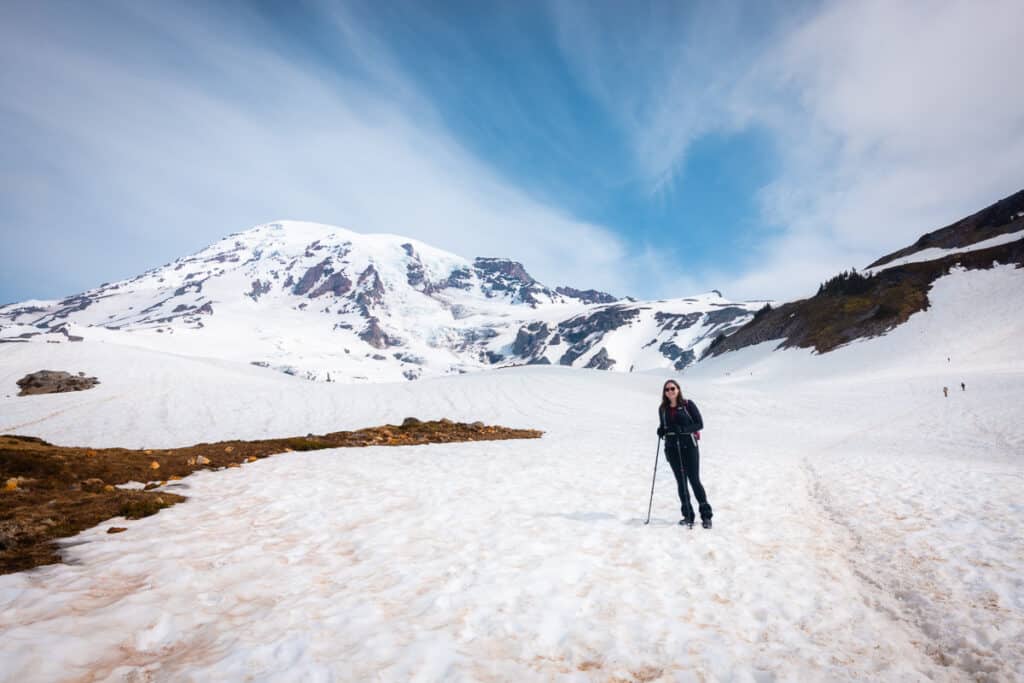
661	432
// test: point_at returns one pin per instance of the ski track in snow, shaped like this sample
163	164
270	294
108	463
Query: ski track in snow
866	528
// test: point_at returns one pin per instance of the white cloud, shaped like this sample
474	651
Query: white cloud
664	71
135	134
184	147
903	117
889	119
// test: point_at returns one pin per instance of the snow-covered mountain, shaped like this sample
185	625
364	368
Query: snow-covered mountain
331	304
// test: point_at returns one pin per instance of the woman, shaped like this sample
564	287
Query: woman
680	426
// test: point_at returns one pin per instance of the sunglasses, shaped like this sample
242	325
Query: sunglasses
668	389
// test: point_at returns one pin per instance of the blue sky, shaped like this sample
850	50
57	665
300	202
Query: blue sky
654	150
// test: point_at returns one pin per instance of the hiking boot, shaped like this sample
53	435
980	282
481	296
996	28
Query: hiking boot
686	522
705	515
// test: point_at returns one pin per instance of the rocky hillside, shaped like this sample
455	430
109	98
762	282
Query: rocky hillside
856	305
1004	217
330	304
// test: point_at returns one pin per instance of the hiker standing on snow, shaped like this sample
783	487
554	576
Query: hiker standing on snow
680	424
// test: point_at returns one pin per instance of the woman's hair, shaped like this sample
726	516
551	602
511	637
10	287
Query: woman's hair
679	394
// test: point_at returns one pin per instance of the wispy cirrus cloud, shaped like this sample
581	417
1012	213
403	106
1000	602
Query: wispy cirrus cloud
888	120
666	71
152	130
895	119
132	133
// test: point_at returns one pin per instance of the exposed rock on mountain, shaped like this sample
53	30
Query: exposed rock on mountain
530	340
585	331
501	276
376	337
600	361
1003	217
590	296
680	357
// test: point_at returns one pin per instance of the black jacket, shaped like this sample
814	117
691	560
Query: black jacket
686	421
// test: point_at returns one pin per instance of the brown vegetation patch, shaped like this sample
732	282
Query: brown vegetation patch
49	492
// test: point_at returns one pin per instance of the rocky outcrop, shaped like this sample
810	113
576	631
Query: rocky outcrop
371	289
585	331
68	306
1005	216
259	288
726	315
374	335
460	278
415	274
504	269
63	329
54	382
505	277
680	357
195	287
530	340
600	361
587	296
336	284
676	321
467	338
311	277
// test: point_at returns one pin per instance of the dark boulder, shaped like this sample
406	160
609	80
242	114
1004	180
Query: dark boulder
54	382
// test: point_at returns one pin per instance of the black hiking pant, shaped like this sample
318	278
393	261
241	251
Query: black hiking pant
684	459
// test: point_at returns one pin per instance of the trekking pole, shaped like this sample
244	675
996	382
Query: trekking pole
657	451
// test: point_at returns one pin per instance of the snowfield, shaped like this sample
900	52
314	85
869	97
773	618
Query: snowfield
866	526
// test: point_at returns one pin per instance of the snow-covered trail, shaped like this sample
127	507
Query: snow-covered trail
927	491
866	527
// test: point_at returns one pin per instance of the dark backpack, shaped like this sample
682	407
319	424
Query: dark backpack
696	435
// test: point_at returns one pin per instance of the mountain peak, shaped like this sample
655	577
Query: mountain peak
321	301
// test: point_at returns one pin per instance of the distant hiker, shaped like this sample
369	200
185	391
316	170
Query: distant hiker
680	425
945	391
963	387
